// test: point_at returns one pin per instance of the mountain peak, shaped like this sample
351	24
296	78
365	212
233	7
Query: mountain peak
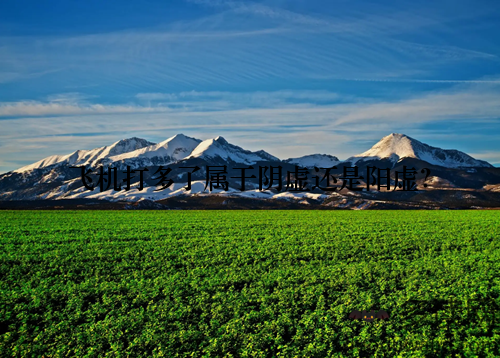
171	149
220	140
128	145
395	136
124	146
218	147
314	160
179	136
131	139
396	146
398	135
85	157
178	139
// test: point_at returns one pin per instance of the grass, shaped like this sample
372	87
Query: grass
249	283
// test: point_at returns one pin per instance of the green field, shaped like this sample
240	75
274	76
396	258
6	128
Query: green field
249	283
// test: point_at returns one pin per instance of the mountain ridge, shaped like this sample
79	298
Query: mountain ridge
397	146
85	157
53	179
393	147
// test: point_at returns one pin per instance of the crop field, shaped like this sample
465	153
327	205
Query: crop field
249	283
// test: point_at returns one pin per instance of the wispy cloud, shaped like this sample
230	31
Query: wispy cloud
56	108
309	121
492	157
472	102
243	99
73	104
6	77
465	101
403	80
264	10
248	43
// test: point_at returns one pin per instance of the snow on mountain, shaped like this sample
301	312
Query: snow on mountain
396	146
176	189
220	148
58	182
177	147
197	187
314	160
86	157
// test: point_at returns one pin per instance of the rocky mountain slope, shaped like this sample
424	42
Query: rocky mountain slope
397	146
452	172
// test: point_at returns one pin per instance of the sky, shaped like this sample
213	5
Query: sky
291	77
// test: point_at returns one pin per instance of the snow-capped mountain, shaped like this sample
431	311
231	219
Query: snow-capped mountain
397	146
219	148
314	160
166	152
177	147
52	177
89	157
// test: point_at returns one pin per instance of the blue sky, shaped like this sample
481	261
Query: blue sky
291	77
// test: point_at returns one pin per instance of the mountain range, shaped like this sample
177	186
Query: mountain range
455	180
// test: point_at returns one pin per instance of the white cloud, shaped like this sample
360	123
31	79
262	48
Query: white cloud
59	108
16	74
489	156
248	43
285	129
473	102
241	99
463	102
